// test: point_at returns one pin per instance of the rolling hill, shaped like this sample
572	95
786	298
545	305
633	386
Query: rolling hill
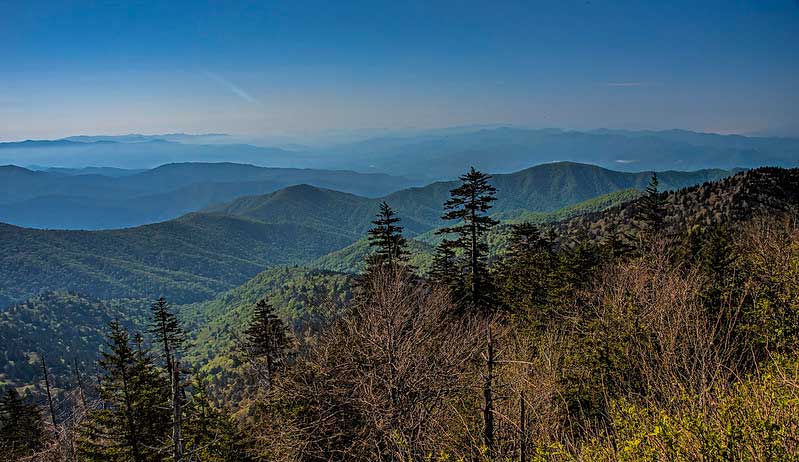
187	259
99	199
765	191
544	188
198	255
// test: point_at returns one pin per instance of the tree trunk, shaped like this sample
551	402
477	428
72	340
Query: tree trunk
80	384
488	398
47	387
475	289
177	416
522	430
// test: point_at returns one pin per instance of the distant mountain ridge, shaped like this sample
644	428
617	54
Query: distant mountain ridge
193	257
504	149
94	200
427	155
543	188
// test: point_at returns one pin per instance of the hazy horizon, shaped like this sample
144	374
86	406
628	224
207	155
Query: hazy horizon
330	137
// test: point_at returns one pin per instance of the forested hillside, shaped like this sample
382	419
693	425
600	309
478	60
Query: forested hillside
104	198
758	192
200	254
68	328
188	259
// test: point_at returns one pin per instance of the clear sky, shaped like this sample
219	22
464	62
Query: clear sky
258	67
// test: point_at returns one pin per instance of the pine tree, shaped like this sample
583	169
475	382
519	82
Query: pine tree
526	239
267	342
386	239
21	427
446	271
650	214
166	330
134	421
211	435
170	338
526	277
468	206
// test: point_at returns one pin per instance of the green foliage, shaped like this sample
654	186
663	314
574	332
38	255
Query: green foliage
210	434
267	341
650	214
385	238
760	192
756	419
461	263
21	427
199	255
770	261
68	327
167	333
528	276
352	259
188	259
300	296
134	419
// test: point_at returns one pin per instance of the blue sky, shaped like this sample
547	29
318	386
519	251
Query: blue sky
256	67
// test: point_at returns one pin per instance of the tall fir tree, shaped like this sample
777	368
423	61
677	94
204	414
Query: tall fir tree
267	342
134	421
650	214
21	427
167	333
468	206
170	338
386	239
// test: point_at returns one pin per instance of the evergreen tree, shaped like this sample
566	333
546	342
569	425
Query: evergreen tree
386	238
211	435
267	342
21	427
134	422
526	276
650	213
468	206
446	270
526	239
170	337
166	330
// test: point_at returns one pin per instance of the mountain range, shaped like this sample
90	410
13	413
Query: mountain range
216	263
197	255
104	198
423	155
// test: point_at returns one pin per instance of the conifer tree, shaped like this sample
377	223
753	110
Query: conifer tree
167	333
650	214
267	342
446	270
211	434
468	206
526	277
134	421
170	337
21	427
386	238
526	239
